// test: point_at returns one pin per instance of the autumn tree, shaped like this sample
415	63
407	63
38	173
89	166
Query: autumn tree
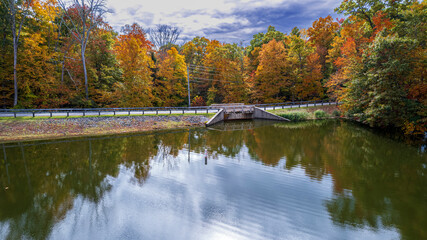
132	50
366	9
6	59
322	34
17	12
84	17
271	81
195	50
256	44
305	69
104	70
170	85
227	81
377	94
345	55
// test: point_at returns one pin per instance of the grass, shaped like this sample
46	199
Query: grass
305	113
295	116
320	114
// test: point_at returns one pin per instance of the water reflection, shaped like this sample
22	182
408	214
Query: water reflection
309	180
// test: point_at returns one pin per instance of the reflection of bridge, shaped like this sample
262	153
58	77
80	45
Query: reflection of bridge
240	125
239	111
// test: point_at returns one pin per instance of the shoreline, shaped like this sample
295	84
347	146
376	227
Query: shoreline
46	128
60	128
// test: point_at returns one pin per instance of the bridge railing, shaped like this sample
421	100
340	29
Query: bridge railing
144	110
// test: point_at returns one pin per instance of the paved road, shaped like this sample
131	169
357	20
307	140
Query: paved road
137	113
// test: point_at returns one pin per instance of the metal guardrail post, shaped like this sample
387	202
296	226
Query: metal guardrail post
33	113
84	113
14	114
50	114
157	111
68	113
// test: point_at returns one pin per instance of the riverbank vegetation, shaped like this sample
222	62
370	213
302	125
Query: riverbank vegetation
373	61
308	113
54	128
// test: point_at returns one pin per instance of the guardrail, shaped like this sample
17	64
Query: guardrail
296	104
103	111
141	110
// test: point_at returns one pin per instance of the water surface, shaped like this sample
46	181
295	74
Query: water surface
244	180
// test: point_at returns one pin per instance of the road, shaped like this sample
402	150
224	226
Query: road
137	112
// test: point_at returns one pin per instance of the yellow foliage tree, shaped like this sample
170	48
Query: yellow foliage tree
272	74
170	86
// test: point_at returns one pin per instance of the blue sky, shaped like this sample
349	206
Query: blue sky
224	20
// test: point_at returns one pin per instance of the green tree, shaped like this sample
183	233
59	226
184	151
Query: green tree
366	9
377	95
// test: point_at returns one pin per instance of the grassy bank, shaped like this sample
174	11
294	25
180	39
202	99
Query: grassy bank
308	113
35	128
28	128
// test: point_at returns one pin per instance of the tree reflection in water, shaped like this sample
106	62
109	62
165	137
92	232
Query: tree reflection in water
376	181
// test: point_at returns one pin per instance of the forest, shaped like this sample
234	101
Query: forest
373	61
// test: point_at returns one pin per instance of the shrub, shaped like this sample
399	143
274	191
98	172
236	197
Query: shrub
319	114
336	113
349	114
295	116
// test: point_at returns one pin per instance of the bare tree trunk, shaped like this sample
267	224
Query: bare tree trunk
15	52
62	70
85	73
12	12
15	80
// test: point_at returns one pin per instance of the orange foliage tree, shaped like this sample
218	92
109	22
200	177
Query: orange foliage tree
272	77
132	50
322	34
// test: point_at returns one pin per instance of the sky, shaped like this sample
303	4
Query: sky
224	20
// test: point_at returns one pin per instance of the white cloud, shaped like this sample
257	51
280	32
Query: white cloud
198	18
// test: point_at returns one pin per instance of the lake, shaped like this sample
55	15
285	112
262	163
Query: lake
239	180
